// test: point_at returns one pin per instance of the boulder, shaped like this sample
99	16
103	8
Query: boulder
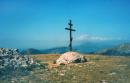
70	57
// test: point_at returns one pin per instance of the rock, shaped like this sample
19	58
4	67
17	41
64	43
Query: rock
71	57
103	81
10	60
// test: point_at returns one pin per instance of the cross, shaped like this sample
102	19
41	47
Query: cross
71	38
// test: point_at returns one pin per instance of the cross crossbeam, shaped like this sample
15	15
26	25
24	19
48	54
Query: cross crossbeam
70	29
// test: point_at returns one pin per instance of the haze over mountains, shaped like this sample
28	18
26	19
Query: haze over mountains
104	47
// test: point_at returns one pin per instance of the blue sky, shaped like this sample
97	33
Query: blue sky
41	23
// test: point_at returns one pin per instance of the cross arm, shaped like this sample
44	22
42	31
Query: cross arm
70	29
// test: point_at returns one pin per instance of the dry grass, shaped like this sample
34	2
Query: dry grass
46	57
112	69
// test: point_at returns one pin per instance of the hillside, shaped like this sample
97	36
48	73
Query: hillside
30	51
123	49
56	50
91	47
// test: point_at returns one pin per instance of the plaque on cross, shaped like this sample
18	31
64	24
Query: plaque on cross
70	30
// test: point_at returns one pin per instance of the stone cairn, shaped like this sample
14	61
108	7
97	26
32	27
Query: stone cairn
11	60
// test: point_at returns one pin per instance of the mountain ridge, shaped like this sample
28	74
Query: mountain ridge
122	49
84	48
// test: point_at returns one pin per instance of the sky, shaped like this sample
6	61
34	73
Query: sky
41	23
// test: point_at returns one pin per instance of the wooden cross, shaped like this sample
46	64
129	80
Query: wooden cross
71	38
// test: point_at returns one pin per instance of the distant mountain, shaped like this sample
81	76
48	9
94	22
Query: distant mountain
91	47
57	50
31	51
86	48
122	49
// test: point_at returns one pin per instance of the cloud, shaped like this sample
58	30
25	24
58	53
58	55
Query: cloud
87	37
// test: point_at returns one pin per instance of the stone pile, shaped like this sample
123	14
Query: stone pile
70	57
10	58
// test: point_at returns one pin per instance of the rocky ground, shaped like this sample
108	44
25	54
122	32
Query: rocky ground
13	64
98	69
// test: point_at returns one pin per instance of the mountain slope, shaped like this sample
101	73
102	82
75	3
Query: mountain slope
123	49
31	51
57	50
91	47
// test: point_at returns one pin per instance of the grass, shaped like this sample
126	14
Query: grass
112	69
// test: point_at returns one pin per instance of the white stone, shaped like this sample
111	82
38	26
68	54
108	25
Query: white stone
70	57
